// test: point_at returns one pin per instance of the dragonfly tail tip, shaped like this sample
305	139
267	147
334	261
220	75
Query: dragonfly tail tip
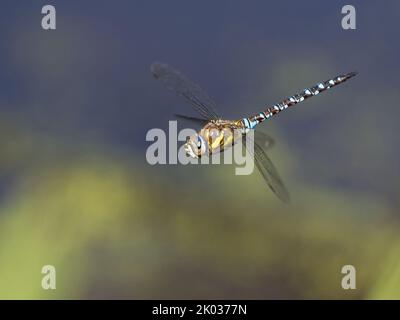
352	74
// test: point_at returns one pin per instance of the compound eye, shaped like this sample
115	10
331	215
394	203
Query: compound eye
199	143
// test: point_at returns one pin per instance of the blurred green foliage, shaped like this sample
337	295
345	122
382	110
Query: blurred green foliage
116	228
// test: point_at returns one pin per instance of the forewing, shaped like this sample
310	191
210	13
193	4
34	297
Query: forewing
194	120
176	81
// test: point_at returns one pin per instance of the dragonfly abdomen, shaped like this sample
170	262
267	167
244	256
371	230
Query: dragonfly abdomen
250	123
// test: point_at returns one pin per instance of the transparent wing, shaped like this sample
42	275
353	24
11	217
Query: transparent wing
268	171
196	121
263	139
176	81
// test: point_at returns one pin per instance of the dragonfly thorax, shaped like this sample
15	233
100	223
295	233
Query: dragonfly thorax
214	137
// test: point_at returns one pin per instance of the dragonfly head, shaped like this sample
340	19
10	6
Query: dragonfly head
195	146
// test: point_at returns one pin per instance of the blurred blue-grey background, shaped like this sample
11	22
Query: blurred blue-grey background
77	193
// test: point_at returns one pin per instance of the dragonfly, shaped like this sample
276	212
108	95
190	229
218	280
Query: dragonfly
218	134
